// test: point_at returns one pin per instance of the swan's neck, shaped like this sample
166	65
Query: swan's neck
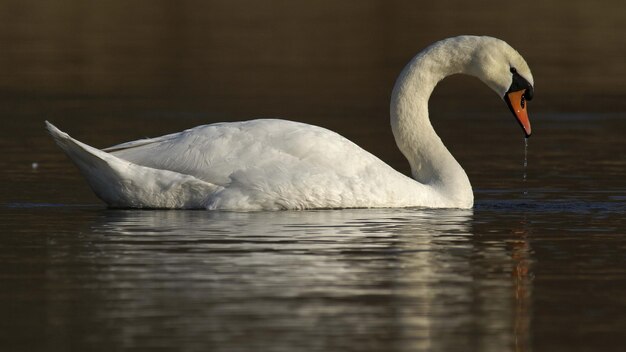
431	162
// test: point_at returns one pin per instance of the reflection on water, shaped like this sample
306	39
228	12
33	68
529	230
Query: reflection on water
357	279
509	275
522	285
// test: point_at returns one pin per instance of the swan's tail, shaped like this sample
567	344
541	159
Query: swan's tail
121	183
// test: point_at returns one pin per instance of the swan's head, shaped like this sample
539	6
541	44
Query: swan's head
505	71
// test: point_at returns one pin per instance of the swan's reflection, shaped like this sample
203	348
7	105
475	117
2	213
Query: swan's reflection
522	285
391	279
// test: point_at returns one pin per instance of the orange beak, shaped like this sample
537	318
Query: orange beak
517	103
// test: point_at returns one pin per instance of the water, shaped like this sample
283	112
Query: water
495	278
540	270
538	264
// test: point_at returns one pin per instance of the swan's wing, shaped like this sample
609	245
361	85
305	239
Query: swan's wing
259	164
141	142
214	153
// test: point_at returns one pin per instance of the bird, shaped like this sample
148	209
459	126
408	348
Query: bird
274	164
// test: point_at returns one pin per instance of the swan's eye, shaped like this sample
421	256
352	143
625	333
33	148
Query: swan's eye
513	70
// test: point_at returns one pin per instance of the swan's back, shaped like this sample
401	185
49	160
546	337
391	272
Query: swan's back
271	164
214	152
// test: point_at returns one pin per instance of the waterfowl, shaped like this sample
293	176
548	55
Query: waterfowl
273	164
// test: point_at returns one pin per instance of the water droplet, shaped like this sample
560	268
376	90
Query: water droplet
525	164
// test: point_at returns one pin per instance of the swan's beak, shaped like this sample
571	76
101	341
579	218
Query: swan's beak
517	103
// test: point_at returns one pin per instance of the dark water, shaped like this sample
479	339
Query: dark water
543	270
537	265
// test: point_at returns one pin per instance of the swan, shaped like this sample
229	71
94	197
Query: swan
273	164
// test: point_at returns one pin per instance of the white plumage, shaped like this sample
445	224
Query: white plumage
273	164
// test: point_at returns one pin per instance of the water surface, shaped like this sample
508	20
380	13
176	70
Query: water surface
538	264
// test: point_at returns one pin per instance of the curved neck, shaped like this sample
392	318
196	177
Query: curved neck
431	162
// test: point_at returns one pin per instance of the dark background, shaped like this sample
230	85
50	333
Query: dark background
295	58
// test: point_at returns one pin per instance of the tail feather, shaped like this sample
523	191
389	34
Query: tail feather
121	183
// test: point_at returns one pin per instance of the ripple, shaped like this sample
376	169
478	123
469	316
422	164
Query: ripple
552	206
30	205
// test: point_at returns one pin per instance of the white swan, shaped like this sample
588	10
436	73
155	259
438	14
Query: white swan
274	164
